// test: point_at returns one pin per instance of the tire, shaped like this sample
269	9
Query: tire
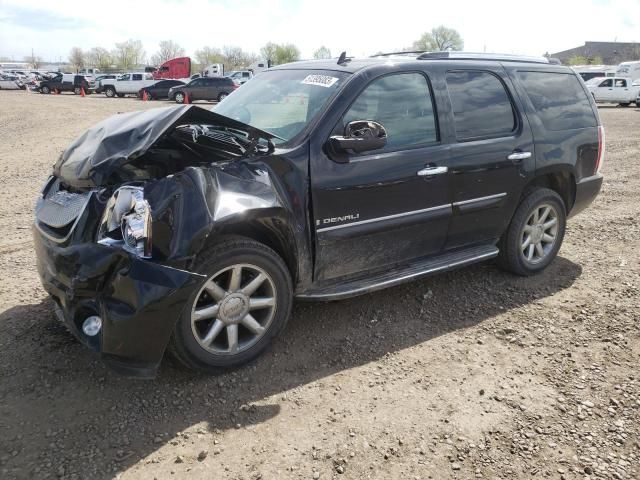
46	90
222	96
76	91
149	96
515	254
120	95
189	345
110	92
626	104
638	103
179	97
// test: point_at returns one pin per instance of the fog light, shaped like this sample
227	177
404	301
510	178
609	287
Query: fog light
92	325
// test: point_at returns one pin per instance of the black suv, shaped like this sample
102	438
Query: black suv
65	83
205	88
194	230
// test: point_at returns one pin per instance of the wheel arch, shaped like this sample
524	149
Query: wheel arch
560	180
267	226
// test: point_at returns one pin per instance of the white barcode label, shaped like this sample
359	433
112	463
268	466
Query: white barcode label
320	80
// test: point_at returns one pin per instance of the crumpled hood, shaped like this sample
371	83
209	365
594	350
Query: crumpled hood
92	158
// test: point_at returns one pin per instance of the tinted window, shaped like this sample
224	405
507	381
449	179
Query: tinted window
559	100
481	105
402	104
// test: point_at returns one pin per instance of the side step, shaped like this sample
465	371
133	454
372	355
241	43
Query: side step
338	290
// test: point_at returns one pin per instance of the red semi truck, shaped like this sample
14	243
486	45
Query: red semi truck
179	67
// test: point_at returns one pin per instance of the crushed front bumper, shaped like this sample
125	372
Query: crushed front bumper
138	301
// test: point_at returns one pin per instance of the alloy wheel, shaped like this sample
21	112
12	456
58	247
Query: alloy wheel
233	309
539	234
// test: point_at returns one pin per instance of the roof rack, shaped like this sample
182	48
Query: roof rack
502	57
404	52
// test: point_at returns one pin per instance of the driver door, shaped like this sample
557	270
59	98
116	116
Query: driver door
388	206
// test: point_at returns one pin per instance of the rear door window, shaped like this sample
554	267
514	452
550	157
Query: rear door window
481	105
621	83
558	99
402	104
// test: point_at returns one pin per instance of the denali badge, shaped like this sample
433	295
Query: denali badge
327	221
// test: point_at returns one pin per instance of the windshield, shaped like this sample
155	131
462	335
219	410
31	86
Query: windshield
282	102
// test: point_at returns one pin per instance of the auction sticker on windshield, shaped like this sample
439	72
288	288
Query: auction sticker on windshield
320	80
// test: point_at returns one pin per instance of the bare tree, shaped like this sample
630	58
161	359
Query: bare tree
34	61
129	54
99	57
440	39
77	58
268	52
235	57
322	52
168	50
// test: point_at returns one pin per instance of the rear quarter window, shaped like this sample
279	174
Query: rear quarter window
558	99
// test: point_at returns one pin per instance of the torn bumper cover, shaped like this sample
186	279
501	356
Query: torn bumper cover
137	300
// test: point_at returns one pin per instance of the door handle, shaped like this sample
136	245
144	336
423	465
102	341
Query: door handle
427	172
519	155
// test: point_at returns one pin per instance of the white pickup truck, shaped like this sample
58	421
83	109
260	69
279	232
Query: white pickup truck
125	84
613	90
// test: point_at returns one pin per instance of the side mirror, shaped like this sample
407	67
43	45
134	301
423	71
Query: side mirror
360	136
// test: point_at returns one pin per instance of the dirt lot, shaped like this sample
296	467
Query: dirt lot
472	374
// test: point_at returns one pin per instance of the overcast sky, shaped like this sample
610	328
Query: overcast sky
531	27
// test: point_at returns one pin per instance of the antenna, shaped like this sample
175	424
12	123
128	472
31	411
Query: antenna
343	58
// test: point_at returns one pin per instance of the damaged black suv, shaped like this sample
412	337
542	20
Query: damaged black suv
192	230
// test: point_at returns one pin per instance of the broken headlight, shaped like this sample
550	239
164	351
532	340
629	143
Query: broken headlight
127	221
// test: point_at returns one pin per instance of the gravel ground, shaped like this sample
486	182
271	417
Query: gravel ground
471	374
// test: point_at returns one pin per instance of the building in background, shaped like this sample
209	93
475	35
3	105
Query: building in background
607	53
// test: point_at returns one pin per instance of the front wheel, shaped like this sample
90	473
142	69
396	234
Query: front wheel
241	306
179	97
110	92
222	96
45	89
535	233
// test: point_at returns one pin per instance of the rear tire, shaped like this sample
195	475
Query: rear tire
121	95
229	322
222	96
535	233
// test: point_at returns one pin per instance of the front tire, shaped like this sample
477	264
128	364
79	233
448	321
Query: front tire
535	233
110	92
45	89
243	304
179	97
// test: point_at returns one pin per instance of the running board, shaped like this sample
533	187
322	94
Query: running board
405	273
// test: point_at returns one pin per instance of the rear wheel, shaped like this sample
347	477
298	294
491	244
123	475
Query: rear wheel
535	233
222	96
244	303
121	95
76	91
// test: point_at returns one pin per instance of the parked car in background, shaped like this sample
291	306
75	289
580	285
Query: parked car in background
613	90
65	82
10	83
191	231
207	88
105	76
240	76
160	89
125	84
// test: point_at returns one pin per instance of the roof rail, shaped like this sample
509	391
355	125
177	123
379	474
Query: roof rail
502	57
404	52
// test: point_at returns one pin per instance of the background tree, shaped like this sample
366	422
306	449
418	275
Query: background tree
440	39
168	50
322	52
99	57
597	60
577	60
76	58
268	52
34	61
128	54
286	53
235	57
208	55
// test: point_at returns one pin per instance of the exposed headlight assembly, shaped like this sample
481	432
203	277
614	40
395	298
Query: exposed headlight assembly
127	221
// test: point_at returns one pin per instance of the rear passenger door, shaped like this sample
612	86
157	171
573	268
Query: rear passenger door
491	153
